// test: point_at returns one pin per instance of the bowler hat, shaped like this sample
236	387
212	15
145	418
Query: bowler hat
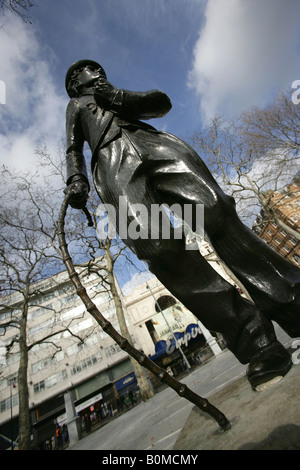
78	65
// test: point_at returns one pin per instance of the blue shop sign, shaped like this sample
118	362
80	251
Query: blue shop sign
125	381
174	342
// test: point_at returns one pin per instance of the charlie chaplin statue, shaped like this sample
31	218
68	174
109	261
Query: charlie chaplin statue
132	159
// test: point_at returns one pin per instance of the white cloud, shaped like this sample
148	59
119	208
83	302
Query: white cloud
246	51
34	112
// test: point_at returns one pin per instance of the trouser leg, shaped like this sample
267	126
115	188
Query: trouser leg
272	281
212	300
215	302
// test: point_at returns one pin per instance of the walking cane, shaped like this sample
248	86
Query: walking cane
180	388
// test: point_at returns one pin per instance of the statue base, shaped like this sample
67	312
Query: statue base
266	420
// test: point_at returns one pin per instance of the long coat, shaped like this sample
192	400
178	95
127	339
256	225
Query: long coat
87	121
131	158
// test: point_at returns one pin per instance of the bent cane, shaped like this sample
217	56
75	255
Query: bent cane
180	388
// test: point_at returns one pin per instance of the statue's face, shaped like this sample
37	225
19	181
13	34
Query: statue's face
88	75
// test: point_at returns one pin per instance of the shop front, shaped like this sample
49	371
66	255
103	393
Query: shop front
177	336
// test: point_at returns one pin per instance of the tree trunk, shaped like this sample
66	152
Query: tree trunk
24	412
143	383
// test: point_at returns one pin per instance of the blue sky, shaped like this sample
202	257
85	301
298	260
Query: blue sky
209	56
214	56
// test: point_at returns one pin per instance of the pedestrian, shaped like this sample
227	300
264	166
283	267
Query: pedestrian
132	397
65	436
58	437
87	422
121	403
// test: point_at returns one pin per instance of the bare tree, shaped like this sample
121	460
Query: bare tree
30	253
104	253
274	127
18	7
254	156
27	256
100	251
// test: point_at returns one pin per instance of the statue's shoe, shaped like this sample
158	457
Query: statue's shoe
270	363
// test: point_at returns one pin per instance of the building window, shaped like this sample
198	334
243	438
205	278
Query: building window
42	326
12	359
9	380
38	366
91	340
85	363
50	381
277	240
74	349
6	404
112	350
40	311
152	331
79	327
164	302
39	387
43	364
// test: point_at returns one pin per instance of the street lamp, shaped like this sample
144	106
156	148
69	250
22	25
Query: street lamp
12	385
169	328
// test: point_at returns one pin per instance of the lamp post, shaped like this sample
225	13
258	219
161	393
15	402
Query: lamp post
169	328
12	385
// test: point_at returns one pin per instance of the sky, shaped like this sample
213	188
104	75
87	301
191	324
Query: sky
210	56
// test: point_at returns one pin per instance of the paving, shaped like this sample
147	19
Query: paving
259	420
155	424
267	420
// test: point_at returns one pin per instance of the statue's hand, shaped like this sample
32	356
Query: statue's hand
104	93
78	193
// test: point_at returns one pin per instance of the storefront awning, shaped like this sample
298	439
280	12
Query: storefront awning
88	402
178	339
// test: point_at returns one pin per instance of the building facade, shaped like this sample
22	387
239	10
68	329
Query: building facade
68	351
71	359
286	205
170	334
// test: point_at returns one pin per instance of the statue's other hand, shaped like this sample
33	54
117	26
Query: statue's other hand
78	193
104	93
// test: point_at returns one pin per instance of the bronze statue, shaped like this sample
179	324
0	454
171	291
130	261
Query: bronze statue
133	160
